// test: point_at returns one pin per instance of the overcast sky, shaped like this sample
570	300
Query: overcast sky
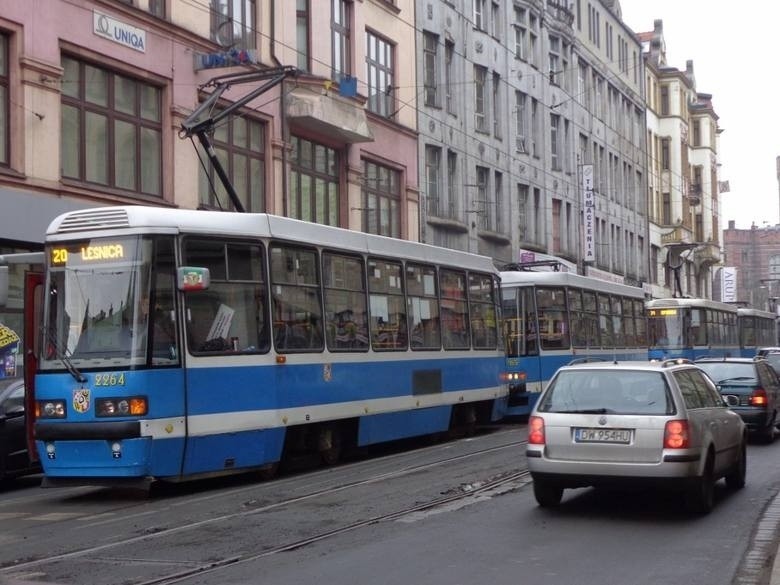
733	50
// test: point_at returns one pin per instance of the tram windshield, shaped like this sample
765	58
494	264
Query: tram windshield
665	328
105	296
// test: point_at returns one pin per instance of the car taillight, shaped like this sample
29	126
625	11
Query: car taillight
676	434
536	430
758	398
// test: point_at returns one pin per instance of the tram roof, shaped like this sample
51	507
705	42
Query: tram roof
551	278
100	222
690	302
749	311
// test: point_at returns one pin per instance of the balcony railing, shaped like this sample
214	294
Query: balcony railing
559	10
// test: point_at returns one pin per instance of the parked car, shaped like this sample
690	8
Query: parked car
751	388
772	355
659	424
14	458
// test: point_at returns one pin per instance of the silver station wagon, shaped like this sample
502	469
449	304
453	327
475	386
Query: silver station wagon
634	423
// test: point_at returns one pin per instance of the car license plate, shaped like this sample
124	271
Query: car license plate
602	436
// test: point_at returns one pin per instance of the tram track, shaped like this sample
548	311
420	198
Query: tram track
35	567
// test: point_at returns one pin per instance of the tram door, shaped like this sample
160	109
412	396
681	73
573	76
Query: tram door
33	316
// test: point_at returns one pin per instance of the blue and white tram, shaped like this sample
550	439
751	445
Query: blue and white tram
182	344
756	329
552	318
691	328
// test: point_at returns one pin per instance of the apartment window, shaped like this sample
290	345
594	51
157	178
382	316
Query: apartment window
480	106
157	8
696	133
664	100
521	33
4	102
538	234
665	154
479	14
522	216
433	179
533	40
381	200
521	116
240	148
430	80
379	73
583	91
449	53
495	19
666	209
339	26
233	23
314	182
483	211
302	33
453	184
496	105
111	129
498	202
555	60
535	118
555	146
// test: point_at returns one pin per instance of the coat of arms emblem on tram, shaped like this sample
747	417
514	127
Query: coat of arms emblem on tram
81	400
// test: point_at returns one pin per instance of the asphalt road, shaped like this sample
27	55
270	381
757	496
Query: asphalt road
447	513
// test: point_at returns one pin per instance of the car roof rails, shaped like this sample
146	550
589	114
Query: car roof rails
675	362
585	360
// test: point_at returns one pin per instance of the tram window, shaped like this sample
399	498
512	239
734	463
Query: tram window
605	322
297	306
578	329
387	305
232	315
422	307
454	309
346	312
163	349
482	310
698	325
553	318
641	323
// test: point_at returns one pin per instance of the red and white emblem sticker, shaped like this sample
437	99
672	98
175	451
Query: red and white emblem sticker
81	400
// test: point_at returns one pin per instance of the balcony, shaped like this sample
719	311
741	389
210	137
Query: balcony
706	254
679	236
322	111
559	11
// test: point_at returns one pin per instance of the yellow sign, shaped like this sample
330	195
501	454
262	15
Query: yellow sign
8	337
87	253
662	312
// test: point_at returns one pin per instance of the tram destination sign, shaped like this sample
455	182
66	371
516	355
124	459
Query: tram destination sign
86	253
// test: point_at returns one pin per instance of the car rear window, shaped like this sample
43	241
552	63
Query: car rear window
608	391
724	372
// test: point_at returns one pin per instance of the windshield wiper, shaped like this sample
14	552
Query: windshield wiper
589	411
737	379
62	356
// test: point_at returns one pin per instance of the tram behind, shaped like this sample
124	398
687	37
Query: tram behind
552	318
692	328
756	329
183	344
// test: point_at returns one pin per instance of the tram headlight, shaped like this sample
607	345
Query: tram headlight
50	409
121	406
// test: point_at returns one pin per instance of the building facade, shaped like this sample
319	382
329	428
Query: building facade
755	256
683	187
93	94
518	98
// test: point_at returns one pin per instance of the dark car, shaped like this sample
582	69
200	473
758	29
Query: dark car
14	458
772	355
751	388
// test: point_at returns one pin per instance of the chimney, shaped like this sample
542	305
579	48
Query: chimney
732	223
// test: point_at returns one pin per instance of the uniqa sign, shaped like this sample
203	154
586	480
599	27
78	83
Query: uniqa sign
119	32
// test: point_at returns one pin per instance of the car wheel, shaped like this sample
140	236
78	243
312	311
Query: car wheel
700	497
736	477
546	494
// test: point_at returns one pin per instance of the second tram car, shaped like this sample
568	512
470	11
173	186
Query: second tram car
691	328
756	329
552	318
182	344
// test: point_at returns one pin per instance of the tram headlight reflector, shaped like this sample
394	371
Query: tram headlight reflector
50	448
50	409
121	406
